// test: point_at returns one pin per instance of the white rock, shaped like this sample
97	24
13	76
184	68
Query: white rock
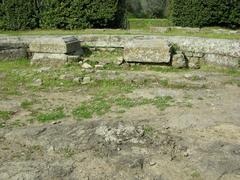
86	80
86	66
37	82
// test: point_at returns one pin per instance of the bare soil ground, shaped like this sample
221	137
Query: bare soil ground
125	124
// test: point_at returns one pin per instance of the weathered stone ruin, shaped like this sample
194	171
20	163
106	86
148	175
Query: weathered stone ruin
55	50
157	51
179	52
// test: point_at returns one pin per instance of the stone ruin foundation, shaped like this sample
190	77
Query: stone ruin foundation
55	51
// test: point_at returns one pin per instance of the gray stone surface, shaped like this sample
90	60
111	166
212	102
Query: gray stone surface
53	59
223	48
61	45
13	53
194	62
148	51
221	60
179	60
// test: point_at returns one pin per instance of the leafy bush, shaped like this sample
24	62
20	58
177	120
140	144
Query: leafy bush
21	14
147	8
17	14
206	13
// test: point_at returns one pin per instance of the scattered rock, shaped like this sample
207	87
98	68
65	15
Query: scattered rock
120	61
99	66
66	77
86	66
152	163
86	80
77	79
137	163
43	69
195	76
2	75
37	82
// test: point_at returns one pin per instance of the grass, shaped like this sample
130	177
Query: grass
20	75
5	115
163	102
147	23
128	102
102	55
137	27
100	106
68	152
51	116
26	104
225	70
148	130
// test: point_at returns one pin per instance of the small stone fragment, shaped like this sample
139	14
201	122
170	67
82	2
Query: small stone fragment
43	69
99	66
86	66
66	77
77	79
86	80
152	163
120	61
37	82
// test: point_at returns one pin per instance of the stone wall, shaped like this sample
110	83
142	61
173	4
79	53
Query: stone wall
213	51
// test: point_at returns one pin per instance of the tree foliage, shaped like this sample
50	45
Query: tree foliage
200	13
147	8
62	14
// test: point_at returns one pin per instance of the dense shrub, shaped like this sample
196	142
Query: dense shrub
22	14
147	8
206	13
17	14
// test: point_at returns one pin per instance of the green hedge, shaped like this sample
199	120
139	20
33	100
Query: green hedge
200	13
18	14
62	14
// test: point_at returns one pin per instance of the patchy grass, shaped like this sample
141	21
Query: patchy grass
97	106
68	152
148	130
233	82
126	102
20	76
163	102
5	115
136	23
51	116
225	70
104	55
100	105
26	104
137	27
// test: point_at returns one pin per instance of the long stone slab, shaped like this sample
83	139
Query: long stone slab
56	45
157	51
13	53
54	59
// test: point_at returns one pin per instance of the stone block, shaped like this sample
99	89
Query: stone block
194	62
53	59
227	61
179	60
150	51
198	54
55	45
13	54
